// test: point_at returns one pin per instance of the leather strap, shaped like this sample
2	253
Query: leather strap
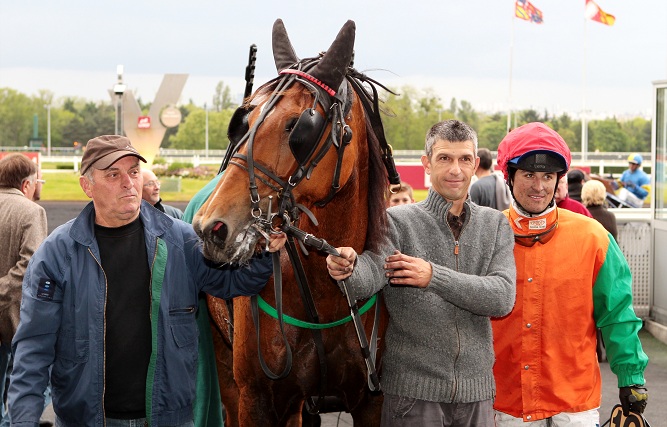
278	291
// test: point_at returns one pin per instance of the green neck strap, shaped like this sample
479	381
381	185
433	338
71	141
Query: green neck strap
268	309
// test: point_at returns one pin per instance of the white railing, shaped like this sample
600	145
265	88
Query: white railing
634	239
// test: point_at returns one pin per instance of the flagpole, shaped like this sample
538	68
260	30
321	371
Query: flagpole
509	100
584	124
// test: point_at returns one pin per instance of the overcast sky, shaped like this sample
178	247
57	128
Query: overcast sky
457	48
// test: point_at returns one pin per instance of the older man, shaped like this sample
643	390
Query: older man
449	266
22	230
109	304
151	194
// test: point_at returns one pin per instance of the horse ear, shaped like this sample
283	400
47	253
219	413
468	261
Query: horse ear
283	52
332	68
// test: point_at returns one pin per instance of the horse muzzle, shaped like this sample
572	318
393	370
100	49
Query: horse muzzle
224	244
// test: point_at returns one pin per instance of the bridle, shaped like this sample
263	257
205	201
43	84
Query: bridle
305	137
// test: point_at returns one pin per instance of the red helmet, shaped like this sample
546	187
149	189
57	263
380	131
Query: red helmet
534	147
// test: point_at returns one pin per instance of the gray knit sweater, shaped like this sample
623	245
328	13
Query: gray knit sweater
439	344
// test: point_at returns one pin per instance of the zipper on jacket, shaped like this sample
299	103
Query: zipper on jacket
150	282
104	338
456	323
456	254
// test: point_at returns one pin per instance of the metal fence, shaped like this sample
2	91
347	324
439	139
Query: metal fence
634	239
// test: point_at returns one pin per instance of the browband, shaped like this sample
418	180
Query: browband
307	76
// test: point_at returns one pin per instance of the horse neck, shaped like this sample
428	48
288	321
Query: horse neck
344	220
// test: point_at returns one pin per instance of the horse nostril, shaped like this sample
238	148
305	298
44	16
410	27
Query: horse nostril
219	231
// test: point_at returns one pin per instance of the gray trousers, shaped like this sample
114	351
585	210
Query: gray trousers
399	411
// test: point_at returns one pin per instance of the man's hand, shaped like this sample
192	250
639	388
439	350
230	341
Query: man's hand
633	399
405	270
277	241
340	268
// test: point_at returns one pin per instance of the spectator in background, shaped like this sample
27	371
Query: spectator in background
634	180
575	180
22	230
400	194
564	202
151	194
489	189
594	197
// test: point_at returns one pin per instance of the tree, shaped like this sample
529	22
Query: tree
88	121
606	135
410	115
398	123
222	99
528	116
468	115
192	132
16	112
491	133
639	134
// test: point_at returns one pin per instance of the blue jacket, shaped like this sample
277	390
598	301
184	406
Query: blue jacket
634	181
62	324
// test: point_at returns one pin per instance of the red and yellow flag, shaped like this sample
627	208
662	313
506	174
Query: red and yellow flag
594	12
525	10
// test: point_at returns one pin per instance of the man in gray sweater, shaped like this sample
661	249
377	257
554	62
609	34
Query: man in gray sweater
450	267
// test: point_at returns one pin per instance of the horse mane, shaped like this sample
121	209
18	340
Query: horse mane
366	89
377	191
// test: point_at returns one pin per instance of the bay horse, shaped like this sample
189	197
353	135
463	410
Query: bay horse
307	155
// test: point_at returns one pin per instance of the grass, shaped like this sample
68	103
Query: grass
64	186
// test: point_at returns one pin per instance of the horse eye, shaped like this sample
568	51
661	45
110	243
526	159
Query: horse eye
290	124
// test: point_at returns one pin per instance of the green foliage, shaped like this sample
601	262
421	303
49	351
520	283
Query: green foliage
177	167
491	133
639	134
222	100
16	112
65	186
529	116
408	117
607	135
192	132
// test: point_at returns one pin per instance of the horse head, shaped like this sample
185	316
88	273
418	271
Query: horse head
296	145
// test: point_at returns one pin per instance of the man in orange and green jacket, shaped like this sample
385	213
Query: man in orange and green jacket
571	279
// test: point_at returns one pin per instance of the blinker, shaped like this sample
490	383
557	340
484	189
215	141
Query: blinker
238	125
306	134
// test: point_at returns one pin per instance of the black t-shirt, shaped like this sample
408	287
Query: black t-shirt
127	319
